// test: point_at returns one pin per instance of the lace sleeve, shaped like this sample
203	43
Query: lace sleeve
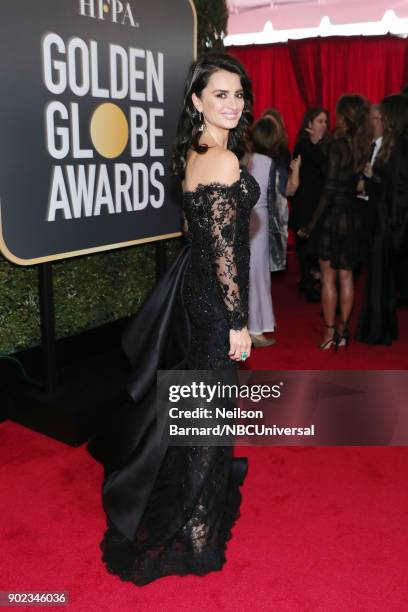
331	184
222	228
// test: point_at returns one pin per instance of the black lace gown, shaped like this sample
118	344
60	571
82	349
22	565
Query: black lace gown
170	510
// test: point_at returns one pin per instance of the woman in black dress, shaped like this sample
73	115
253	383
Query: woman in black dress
311	146
171	509
387	187
335	228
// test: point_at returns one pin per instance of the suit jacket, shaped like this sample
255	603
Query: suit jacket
397	196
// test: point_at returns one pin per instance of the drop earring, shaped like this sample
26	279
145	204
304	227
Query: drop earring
200	119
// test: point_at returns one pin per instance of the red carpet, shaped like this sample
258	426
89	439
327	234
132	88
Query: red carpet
322	529
300	329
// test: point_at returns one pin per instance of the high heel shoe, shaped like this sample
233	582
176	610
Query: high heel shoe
333	341
343	337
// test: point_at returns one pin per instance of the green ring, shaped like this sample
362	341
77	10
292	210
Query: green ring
244	355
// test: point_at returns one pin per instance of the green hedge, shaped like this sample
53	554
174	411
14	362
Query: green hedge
89	291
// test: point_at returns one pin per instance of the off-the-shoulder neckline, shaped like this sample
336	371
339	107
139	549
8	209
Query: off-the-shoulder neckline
214	184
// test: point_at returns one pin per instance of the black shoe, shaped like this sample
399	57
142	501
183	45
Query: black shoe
343	337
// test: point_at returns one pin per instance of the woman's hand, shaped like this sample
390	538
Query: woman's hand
296	163
240	342
293	180
303	232
361	186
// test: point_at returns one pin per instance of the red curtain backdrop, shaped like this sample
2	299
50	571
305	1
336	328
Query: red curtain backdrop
299	74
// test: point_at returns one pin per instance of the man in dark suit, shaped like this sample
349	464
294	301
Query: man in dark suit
367	208
402	270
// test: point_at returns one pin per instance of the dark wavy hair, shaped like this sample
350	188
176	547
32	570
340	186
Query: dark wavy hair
282	153
265	137
394	114
355	109
310	115
188	133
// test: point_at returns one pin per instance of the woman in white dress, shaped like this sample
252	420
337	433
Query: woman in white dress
263	167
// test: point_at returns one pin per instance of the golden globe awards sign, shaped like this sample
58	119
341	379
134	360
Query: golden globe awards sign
91	92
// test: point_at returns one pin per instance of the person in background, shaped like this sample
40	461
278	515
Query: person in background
261	318
387	186
311	145
335	228
283	153
286	181
402	271
367	209
377	128
268	229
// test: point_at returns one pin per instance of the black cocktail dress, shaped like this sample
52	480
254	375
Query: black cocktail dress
336	226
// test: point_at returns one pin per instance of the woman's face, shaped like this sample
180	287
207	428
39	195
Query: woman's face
319	125
222	101
376	121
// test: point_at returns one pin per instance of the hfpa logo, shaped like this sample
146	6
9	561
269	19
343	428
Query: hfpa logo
115	10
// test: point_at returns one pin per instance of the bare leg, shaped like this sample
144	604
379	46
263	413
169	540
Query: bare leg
329	297
346	297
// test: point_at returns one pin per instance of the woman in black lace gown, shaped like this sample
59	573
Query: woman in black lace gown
335	228
171	510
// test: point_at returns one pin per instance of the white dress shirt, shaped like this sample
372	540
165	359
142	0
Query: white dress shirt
377	142
377	146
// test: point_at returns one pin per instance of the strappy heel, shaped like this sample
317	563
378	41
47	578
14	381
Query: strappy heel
333	341
343	338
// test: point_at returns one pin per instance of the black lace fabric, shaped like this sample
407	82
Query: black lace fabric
196	498
336	226
222	233
188	520
216	285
